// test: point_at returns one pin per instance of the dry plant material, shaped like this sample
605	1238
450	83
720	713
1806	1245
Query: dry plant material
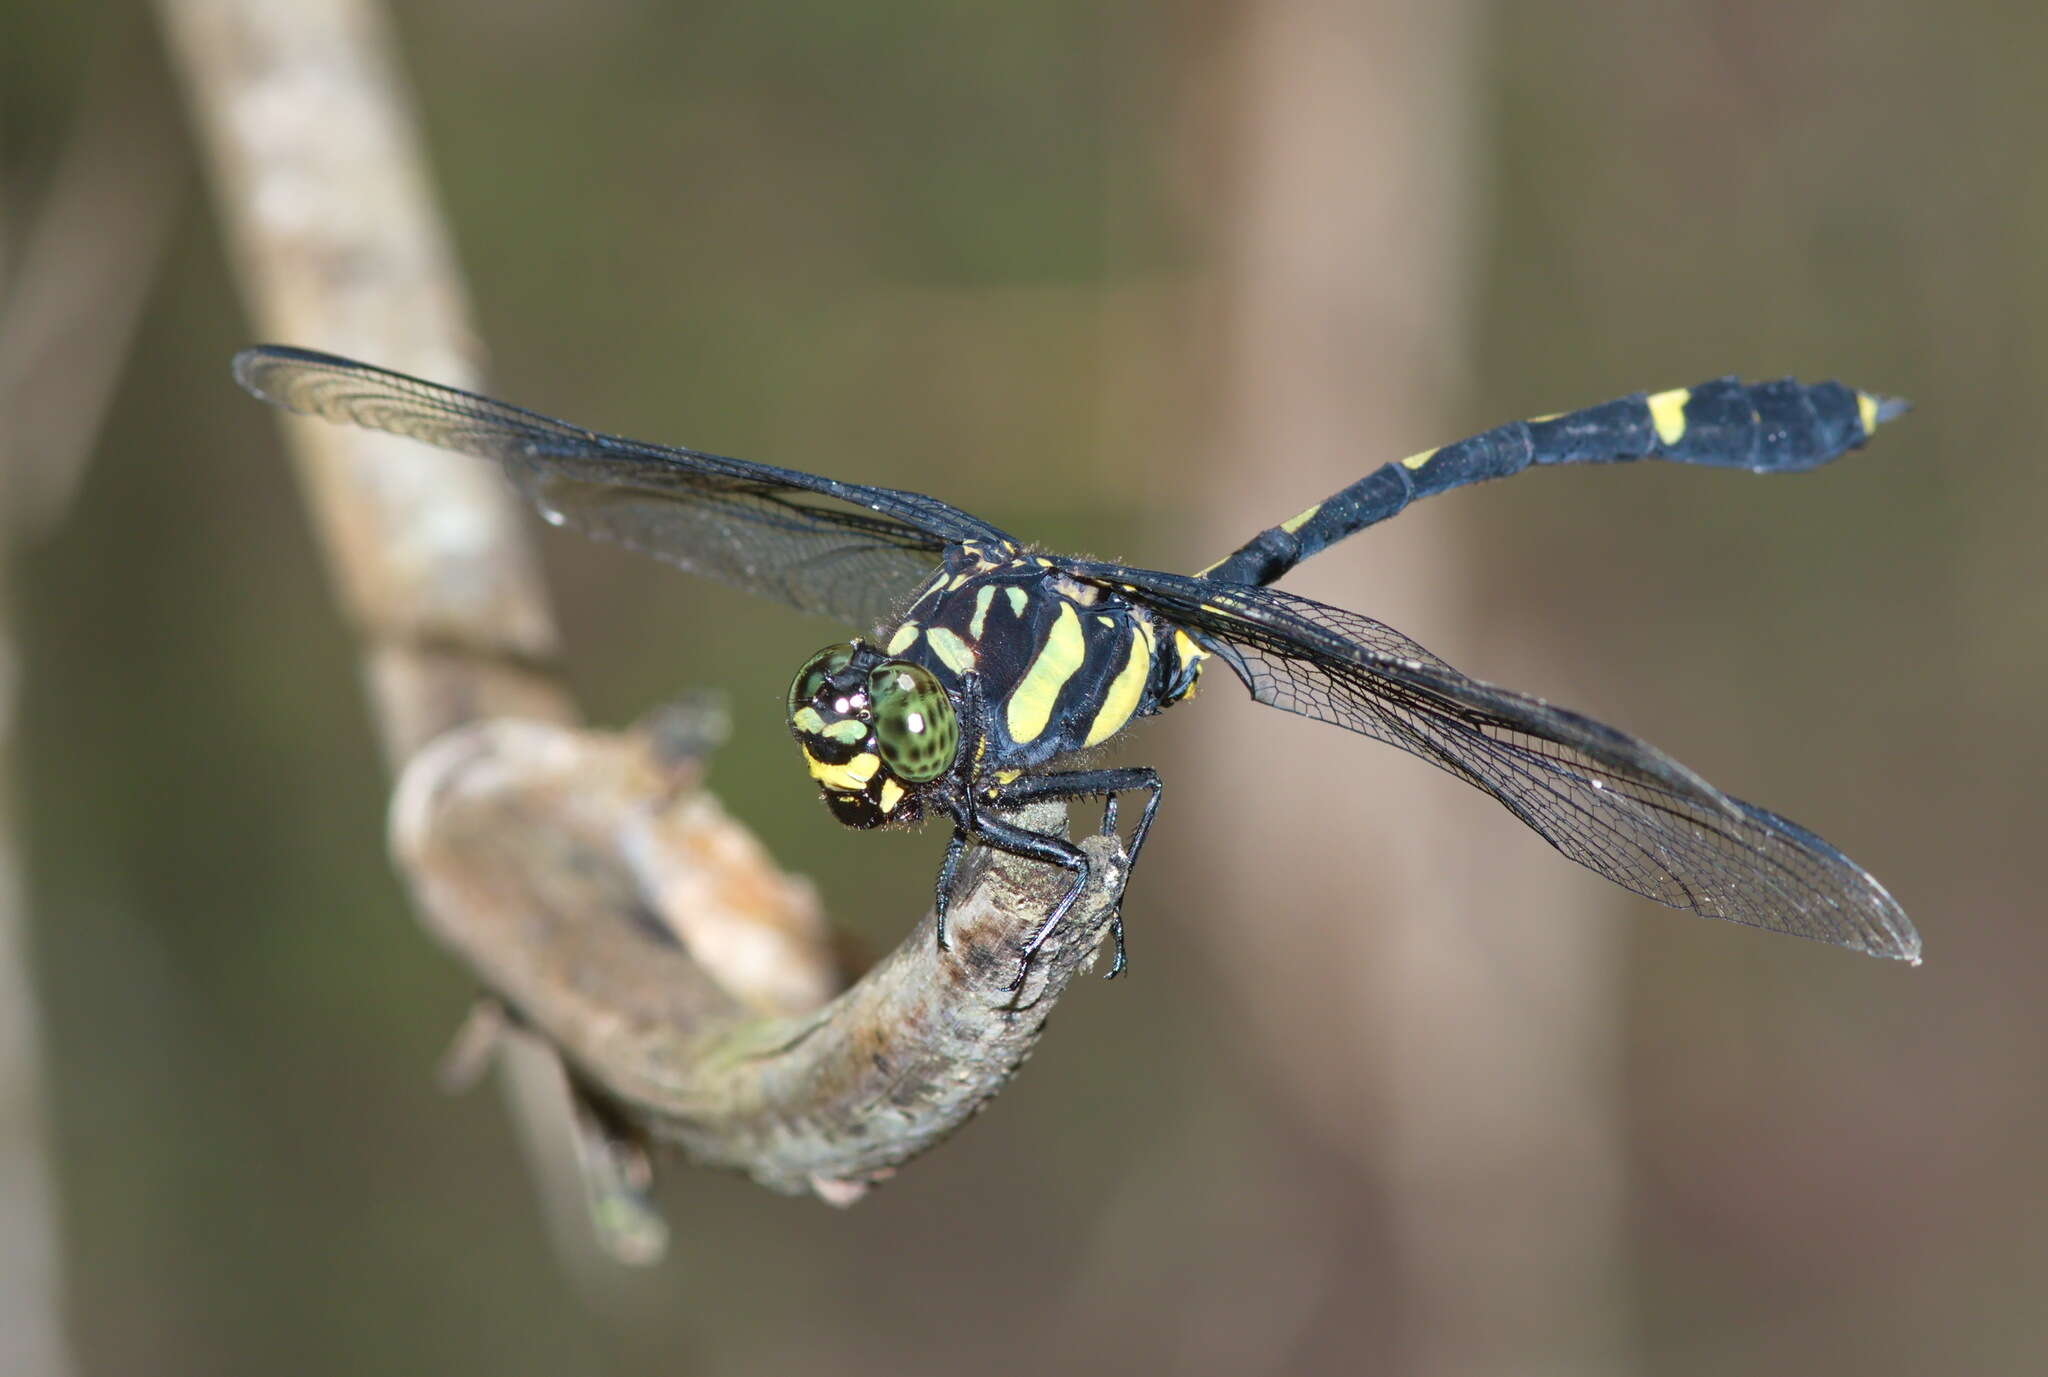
610	906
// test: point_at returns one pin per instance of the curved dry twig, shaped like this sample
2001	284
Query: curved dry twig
607	901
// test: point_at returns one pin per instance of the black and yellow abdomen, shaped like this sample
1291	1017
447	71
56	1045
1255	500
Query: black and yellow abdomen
1772	427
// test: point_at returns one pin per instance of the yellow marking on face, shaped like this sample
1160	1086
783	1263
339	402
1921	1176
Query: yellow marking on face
1122	698
807	720
1295	523
983	596
1031	702
850	778
904	639
954	653
850	731
1866	412
1667	413
892	794
1416	461
1019	600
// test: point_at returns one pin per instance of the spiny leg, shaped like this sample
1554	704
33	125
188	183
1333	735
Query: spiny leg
1038	846
954	846
971	715
1106	784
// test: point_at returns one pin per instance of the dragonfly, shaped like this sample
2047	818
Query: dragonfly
984	671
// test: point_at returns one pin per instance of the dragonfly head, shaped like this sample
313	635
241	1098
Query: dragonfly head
875	732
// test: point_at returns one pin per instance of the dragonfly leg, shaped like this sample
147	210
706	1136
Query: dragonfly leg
971	716
1039	846
1105	784
954	847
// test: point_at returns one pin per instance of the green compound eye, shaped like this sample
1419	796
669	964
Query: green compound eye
816	671
914	723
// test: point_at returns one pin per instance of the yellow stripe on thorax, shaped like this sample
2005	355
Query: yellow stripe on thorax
1191	657
1667	413
954	653
1031	702
982	597
1122	698
904	639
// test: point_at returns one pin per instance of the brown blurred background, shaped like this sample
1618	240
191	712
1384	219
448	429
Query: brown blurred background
1392	1088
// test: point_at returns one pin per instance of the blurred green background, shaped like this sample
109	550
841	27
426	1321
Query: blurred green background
976	250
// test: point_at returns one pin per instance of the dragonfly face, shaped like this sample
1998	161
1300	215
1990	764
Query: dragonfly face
1003	664
875	733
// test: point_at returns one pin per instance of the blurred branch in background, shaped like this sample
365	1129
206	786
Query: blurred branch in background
571	871
324	195
84	253
1437	1028
76	262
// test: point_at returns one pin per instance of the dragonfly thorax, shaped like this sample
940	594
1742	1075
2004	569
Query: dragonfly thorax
876	733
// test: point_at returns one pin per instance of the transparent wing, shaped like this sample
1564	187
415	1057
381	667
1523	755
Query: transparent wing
1608	801
839	549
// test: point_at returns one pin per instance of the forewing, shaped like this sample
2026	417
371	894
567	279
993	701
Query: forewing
1608	801
843	550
